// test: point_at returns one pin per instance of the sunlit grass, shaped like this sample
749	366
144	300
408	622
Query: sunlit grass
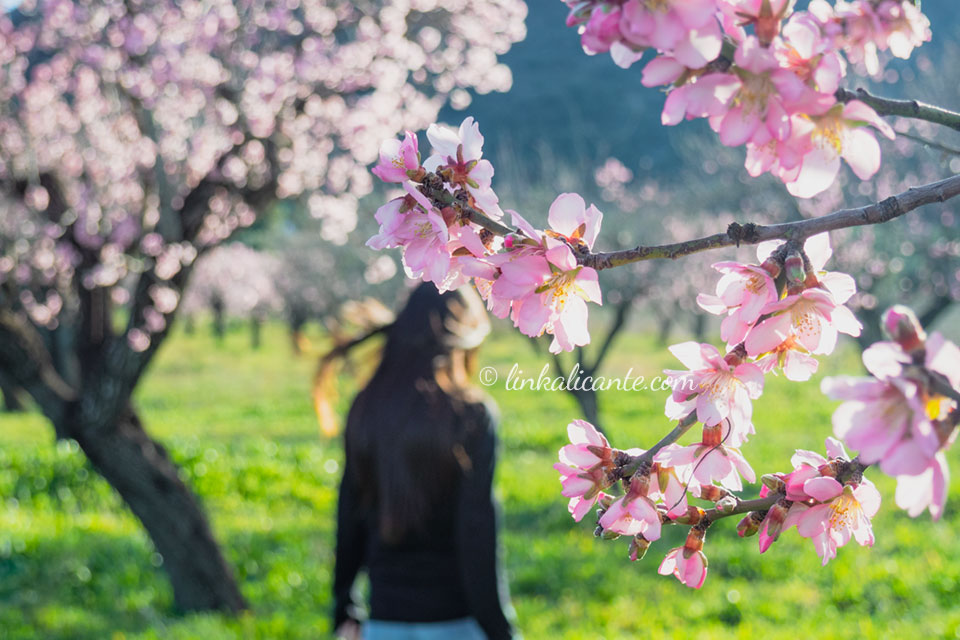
75	564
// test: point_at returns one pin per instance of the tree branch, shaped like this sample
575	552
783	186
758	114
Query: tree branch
743	506
434	189
646	457
26	361
903	108
750	233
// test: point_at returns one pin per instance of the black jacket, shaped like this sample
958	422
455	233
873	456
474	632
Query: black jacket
448	570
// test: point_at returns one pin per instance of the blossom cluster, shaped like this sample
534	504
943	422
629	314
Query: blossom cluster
827	498
778	315
765	76
442	220
905	416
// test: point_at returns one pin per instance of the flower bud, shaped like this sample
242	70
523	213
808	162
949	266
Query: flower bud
830	469
711	492
795	272
694	541
609	535
712	436
750	524
770	266
640	483
638	547
726	504
773	482
736	355
692	516
902	325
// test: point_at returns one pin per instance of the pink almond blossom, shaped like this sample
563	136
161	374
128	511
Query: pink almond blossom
790	357
601	30
742	293
687	30
716	387
805	51
708	461
926	490
765	16
812	316
870	27
634	513
398	158
842	132
547	288
584	467
571	218
806	465
687	563
844	512
460	154
758	109
690	570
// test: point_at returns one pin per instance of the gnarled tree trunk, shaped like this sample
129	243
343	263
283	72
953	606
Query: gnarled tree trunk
147	480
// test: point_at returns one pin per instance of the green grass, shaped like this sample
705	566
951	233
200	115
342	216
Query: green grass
75	564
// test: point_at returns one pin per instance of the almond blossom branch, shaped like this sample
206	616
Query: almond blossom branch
903	108
750	233
646	458
433	188
742	506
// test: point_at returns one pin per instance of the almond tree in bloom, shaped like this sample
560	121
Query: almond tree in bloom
234	281
135	136
768	78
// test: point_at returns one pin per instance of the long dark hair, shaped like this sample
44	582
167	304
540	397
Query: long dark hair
405	430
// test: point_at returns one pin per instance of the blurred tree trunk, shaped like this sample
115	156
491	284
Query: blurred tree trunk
219	321
12	401
587	398
295	323
665	320
141	472
700	326
589	406
256	331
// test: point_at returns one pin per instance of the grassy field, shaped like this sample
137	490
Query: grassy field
75	564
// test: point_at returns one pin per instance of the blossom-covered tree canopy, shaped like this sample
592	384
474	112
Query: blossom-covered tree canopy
135	135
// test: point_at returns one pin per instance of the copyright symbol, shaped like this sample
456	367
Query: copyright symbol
488	376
